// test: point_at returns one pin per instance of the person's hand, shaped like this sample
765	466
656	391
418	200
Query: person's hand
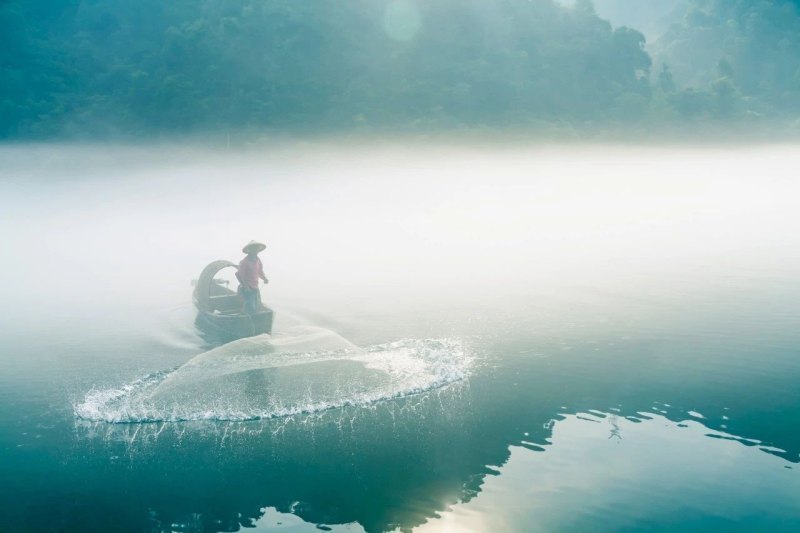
266	281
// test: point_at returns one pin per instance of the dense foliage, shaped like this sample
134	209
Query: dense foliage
135	68
734	58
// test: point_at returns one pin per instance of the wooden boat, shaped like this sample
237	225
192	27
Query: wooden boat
220	310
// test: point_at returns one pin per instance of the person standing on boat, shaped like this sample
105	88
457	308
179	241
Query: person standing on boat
248	274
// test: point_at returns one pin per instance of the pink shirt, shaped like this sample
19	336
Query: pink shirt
249	272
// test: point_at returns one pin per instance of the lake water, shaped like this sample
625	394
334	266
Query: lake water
468	338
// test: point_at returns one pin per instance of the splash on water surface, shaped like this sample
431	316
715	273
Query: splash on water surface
303	370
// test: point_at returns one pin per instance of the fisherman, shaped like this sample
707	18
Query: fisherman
250	270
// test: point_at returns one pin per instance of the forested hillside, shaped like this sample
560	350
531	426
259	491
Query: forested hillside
122	68
746	55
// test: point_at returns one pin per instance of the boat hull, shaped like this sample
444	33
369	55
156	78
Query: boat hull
235	326
220	311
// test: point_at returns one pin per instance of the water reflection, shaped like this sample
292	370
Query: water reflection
664	475
453	457
378	467
626	468
596	377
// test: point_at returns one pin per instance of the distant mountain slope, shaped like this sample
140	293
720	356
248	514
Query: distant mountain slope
751	49
116	68
651	17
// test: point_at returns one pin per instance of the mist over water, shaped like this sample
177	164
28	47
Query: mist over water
459	329
386	225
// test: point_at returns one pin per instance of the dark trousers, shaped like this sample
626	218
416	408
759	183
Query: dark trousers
252	300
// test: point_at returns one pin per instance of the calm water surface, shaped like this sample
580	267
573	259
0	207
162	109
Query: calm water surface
549	339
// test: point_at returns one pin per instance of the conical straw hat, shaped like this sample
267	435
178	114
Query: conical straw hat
254	246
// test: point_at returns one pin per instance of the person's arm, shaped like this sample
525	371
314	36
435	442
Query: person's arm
261	272
239	274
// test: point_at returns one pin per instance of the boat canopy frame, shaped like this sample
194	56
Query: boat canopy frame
204	298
